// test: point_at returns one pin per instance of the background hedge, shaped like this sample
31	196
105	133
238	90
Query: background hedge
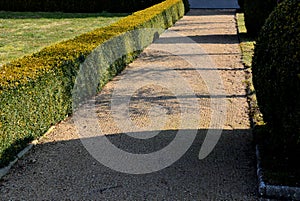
241	4
276	78
36	90
76	5
256	12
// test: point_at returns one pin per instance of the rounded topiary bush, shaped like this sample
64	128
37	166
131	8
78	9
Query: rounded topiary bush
256	12
276	77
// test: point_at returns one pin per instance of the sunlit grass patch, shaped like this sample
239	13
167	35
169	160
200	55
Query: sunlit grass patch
247	43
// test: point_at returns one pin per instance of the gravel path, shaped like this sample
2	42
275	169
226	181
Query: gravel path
60	168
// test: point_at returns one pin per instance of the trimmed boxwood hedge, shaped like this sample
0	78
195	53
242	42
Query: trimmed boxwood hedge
276	78
36	90
76	5
256	12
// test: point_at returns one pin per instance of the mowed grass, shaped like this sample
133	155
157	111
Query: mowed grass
23	33
247	43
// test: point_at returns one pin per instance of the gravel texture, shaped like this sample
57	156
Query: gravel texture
60	168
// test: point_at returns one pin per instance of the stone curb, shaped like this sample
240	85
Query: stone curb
6	169
274	191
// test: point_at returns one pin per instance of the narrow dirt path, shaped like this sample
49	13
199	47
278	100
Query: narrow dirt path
61	168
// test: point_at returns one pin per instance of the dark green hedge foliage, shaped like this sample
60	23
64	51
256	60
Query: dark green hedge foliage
76	5
276	77
36	90
256	12
241	4
186	6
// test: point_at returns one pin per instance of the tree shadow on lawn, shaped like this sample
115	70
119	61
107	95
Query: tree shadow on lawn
65	169
55	15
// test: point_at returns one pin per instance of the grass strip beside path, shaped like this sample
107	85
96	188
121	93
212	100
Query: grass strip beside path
247	42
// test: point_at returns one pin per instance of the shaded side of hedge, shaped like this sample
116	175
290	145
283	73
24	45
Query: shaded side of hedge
36	90
276	78
256	13
76	5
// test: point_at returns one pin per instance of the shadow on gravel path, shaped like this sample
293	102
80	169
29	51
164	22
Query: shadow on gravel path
65	170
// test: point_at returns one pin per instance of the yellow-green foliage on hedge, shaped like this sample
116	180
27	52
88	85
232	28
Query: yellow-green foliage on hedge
36	90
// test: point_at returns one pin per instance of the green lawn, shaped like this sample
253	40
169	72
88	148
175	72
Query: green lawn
23	33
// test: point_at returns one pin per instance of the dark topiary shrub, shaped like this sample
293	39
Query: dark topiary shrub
276	78
241	4
256	12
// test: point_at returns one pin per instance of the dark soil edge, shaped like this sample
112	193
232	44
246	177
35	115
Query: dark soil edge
274	191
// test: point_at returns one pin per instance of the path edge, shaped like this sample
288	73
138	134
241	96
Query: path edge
273	191
5	170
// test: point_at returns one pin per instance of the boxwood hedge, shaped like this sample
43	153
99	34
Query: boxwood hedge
256	12
36	90
276	78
